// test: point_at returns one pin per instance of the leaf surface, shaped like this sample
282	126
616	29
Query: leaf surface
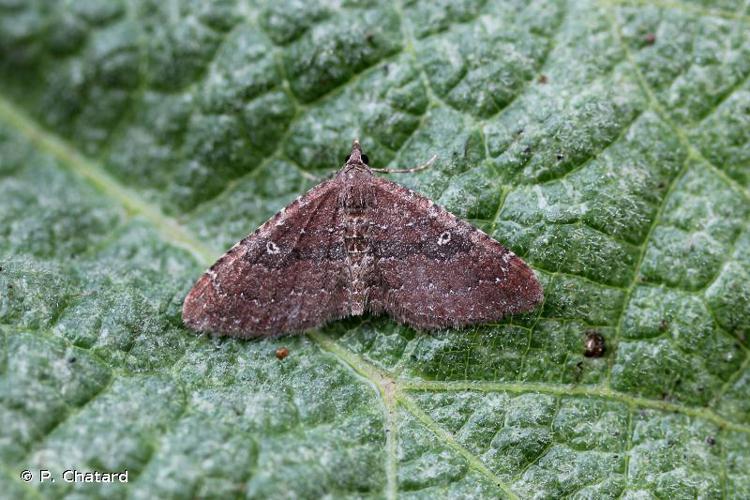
605	142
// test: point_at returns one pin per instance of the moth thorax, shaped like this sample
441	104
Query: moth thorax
357	245
357	197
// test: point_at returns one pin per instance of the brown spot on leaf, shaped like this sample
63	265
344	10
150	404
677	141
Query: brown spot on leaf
594	345
281	353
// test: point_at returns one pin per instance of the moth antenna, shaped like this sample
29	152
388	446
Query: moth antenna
423	166
312	177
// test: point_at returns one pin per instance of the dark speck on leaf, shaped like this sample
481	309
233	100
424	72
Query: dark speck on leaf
578	371
542	79
281	353
527	150
710	440
663	325
594	345
649	39
72	359
560	156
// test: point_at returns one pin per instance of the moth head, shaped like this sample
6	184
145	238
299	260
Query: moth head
356	157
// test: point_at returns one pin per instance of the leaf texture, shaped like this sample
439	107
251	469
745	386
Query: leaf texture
605	142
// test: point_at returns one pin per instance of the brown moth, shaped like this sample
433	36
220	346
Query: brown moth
359	243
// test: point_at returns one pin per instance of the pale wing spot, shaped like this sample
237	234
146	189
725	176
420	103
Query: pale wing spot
444	238
272	247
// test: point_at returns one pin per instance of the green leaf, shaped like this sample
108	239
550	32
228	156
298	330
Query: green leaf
607	142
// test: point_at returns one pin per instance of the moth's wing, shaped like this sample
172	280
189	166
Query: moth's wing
288	276
434	270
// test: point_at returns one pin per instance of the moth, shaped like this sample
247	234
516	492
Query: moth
360	243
